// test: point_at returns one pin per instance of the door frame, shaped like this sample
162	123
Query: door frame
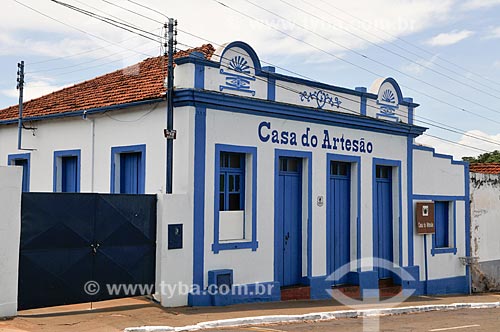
399	204
306	175
353	160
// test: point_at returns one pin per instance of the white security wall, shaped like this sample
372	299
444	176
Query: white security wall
241	129
485	227
435	175
10	234
94	136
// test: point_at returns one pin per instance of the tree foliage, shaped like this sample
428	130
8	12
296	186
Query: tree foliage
488	157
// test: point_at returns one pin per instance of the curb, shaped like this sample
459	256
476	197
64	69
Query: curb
319	316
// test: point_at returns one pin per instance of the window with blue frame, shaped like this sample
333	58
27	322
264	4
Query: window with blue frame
128	169
67	171
235	186
22	160
232	182
442	224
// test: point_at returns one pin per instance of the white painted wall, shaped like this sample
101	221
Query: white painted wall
485	216
10	234
434	175
138	125
242	129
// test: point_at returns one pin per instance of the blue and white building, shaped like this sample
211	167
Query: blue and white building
277	180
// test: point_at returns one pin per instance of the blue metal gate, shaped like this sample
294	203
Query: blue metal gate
383	218
289	214
69	240
339	209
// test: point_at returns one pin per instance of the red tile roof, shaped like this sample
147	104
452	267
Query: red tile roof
486	168
139	82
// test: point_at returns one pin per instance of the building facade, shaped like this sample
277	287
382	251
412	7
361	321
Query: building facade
277	181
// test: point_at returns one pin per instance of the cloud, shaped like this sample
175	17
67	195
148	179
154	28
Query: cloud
459	151
419	66
34	89
479	4
496	64
449	38
494	33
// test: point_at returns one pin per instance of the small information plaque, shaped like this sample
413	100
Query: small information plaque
425	218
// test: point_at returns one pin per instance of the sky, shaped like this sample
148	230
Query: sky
444	54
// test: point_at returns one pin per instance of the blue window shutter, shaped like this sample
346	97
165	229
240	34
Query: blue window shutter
441	220
69	174
130	164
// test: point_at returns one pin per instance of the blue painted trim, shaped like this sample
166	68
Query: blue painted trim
350	159
237	104
453	285
252	244
297	154
362	104
392	163
11	158
199	72
55	175
271	84
247	48
410	109
249	293
115	151
200	137
395	84
439	155
450	250
82	112
439	197
276	76
409	203
467	223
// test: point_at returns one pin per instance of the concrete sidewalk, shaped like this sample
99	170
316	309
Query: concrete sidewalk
116	315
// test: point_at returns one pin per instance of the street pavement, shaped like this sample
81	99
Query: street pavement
473	320
116	315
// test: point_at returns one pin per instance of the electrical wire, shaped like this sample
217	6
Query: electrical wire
400	113
120	25
395	53
352	51
131	11
149	8
73	27
45	70
411	44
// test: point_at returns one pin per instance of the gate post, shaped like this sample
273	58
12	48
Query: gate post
10	233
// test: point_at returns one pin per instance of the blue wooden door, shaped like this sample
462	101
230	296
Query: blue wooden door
441	217
340	217
24	164
129	172
289	237
69	174
383	218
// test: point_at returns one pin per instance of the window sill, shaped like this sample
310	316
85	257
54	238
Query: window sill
216	247
436	251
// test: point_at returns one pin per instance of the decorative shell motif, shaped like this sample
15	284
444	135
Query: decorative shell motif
388	96
239	64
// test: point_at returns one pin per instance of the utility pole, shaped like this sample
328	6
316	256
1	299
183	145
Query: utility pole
170	133
20	87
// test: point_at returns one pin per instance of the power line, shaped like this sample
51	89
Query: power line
353	51
456	143
352	63
149	8
120	25
393	52
411	44
358	114
131	11
45	70
73	27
